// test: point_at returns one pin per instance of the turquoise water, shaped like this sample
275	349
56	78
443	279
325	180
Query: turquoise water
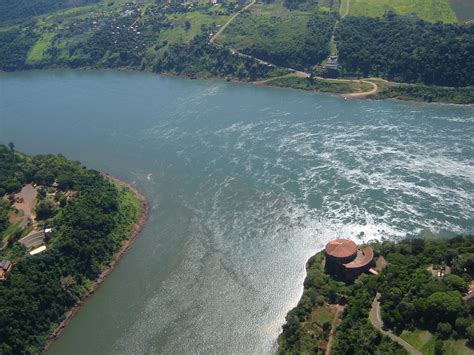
245	183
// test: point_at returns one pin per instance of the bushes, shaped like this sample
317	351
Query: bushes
199	57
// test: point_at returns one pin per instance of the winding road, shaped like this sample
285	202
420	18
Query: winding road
377	322
353	95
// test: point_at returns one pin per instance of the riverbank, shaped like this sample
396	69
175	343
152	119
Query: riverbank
135	230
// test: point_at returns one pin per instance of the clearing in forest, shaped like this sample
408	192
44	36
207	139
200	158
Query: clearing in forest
271	32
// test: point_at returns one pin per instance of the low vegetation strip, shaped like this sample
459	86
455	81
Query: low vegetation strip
428	93
428	10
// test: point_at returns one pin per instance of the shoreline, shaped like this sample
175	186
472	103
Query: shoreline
127	244
236	81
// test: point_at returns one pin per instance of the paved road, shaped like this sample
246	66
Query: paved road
377	322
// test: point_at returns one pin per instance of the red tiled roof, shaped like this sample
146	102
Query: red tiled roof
341	248
363	259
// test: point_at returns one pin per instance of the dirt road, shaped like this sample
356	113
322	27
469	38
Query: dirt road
222	29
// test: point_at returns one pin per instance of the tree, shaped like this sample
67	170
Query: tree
187	25
470	333
45	209
11	145
444	306
444	330
456	282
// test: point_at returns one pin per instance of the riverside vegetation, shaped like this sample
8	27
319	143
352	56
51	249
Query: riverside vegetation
89	227
433	49
430	312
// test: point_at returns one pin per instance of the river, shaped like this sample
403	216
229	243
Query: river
245	183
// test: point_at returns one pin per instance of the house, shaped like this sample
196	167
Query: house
5	268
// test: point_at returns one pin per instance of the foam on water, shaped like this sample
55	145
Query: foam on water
245	184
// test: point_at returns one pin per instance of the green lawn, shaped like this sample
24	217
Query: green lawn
422	340
323	315
297	82
457	347
429	10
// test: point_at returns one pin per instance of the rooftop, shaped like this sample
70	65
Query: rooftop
341	248
363	258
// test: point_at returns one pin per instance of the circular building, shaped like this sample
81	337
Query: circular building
341	250
345	261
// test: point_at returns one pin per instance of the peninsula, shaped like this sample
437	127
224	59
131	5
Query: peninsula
414	296
64	228
359	49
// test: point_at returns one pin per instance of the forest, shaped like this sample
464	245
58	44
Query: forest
407	49
88	230
18	9
413	300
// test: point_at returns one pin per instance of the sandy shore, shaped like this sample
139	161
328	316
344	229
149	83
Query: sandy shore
136	229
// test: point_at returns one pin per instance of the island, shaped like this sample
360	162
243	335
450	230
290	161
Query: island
64	228
418	50
409	297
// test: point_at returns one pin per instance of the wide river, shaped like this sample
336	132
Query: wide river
245	183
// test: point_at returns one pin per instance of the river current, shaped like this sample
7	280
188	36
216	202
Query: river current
245	183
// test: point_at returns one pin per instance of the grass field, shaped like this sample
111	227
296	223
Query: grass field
178	33
464	9
266	26
38	51
298	82
271	32
457	347
429	10
421	340
424	341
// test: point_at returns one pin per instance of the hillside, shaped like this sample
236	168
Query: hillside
269	40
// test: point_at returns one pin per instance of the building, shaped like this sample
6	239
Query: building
345	260
331	63
5	268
